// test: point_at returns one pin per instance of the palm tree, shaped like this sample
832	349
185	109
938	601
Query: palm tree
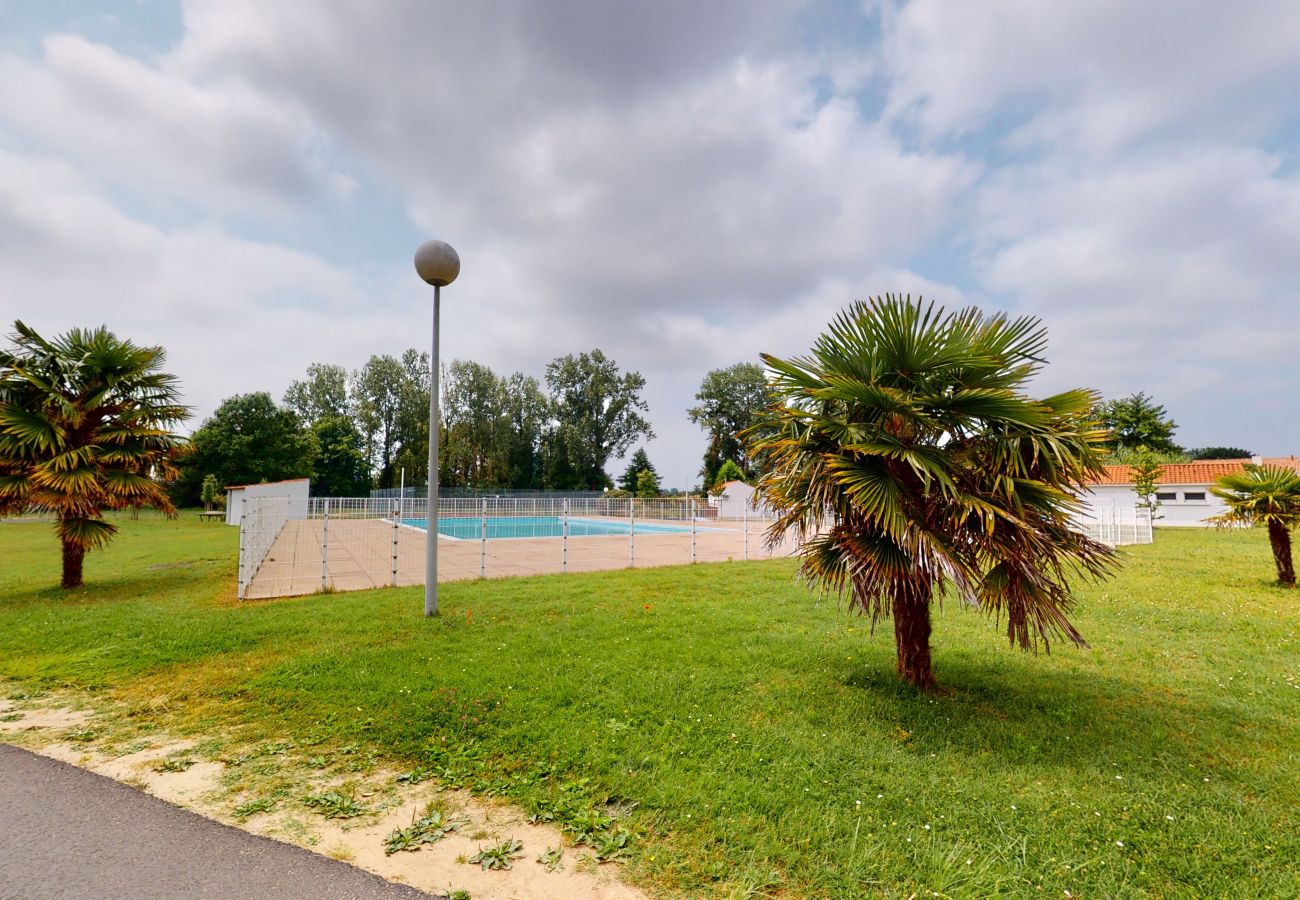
1268	496
905	456
83	429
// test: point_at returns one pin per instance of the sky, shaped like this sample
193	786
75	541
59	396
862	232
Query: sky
683	185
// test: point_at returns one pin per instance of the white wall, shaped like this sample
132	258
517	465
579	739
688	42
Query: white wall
1178	510
296	490
734	502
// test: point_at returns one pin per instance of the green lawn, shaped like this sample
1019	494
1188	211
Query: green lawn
757	733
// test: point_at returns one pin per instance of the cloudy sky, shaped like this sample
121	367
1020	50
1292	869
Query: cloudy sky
681	184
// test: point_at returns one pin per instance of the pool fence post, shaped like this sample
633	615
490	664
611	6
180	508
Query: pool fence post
325	547
243	554
397	524
690	511
482	544
564	539
744	524
631	531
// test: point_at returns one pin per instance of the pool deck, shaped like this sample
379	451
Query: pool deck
368	553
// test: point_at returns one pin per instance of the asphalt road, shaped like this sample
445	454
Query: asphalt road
69	834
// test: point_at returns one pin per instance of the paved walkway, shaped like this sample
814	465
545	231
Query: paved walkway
70	834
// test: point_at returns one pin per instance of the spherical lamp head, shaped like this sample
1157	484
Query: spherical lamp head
437	263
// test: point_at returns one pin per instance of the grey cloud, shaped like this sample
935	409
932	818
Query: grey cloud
222	146
1097	76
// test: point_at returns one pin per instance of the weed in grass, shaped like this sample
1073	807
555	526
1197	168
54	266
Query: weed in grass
82	735
428	829
499	856
20	696
611	844
459	894
254	808
11	717
336	804
174	764
552	859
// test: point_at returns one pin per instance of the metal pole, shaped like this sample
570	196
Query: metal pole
690	511
482	545
325	547
564	540
397	525
431	518
744	523
631	515
243	554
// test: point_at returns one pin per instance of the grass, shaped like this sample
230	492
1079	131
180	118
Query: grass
747	739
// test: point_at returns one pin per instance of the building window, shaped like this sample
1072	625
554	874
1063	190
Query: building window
1167	496
1194	496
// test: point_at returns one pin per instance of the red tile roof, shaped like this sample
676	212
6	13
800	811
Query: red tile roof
1203	472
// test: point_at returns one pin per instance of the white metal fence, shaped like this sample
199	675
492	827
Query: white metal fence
359	542
1118	525
260	524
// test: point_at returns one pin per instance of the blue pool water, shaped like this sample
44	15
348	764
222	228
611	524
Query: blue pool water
471	527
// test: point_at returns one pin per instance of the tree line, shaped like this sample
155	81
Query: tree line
350	432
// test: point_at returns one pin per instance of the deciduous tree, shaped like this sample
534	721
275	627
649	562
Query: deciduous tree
1219	453
322	394
248	440
340	465
730	401
597	413
1138	421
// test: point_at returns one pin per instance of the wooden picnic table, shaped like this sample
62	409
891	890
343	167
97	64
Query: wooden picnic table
211	514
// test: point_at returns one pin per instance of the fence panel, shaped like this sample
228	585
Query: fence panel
348	543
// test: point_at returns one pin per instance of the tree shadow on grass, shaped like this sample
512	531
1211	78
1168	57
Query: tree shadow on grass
1055	718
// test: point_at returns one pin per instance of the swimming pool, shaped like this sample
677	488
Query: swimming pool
470	528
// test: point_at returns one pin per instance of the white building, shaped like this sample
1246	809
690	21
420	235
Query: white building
735	501
295	491
1183	489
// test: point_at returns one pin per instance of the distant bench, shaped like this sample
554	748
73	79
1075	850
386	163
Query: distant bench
212	514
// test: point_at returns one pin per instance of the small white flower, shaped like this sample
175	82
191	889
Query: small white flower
927	828
1119	843
1170	818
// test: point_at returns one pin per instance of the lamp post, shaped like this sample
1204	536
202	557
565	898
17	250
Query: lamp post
438	264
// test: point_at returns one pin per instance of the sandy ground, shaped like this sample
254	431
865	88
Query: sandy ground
61	732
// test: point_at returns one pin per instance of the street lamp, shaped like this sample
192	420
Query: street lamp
437	263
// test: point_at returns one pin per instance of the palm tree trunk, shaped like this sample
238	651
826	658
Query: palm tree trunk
1281	541
73	556
912	638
